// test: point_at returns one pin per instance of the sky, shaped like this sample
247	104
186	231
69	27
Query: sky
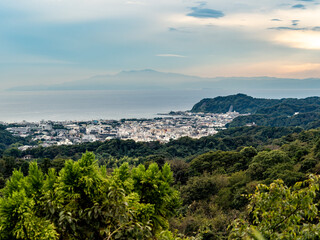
55	41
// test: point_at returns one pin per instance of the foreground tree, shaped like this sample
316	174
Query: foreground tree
281	212
18	218
84	202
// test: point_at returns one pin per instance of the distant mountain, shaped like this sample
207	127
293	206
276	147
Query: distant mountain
283	112
125	80
151	79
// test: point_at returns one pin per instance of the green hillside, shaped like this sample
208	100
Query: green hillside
283	112
6	138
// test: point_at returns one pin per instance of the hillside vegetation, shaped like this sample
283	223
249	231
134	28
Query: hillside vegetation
283	112
7	139
185	189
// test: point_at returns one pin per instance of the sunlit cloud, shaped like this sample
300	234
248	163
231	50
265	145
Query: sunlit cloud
135	2
300	68
305	40
282	69
295	22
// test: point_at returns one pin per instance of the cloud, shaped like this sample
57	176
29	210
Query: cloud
180	30
295	22
306	0
202	3
170	55
312	29
289	28
299	39
199	12
276	20
300	6
172	29
135	2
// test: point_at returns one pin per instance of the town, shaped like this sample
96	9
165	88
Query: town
163	128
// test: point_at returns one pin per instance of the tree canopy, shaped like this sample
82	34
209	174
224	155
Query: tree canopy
82	201
280	212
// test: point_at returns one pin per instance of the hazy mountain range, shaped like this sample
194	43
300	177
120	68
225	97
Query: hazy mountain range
150	79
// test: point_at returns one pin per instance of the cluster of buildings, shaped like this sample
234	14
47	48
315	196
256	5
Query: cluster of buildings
163	129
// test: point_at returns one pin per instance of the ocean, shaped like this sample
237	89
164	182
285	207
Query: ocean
90	105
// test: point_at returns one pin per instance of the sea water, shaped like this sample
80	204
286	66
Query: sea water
89	105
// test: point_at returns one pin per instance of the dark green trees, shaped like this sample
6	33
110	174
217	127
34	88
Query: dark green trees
84	202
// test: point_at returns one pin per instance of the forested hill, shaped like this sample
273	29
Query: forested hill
283	112
6	139
246	104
